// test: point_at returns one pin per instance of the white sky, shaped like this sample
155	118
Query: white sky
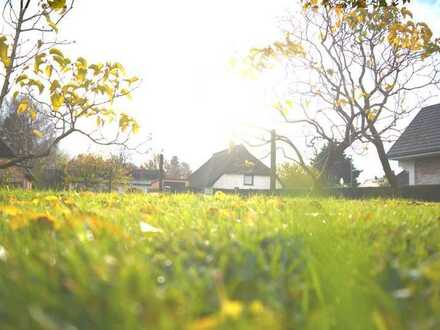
190	100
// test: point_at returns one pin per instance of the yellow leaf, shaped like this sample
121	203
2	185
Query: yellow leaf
289	104
57	101
10	211
105	89
51	24
57	5
132	80
23	106
135	128
21	78
38	84
4	51
81	74
39	59
405	12
48	70
56	51
81	62
51	198
206	323
97	68
33	115
37	133
126	92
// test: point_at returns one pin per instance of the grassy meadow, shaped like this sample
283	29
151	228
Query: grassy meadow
107	261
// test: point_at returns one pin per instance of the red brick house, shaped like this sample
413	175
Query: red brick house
418	148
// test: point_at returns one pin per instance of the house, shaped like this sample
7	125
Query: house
171	184
149	180
232	169
418	148
13	176
143	179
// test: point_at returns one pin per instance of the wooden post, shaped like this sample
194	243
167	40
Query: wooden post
273	162
161	172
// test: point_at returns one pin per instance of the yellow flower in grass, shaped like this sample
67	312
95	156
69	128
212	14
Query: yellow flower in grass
205	323
51	198
10	211
231	308
41	220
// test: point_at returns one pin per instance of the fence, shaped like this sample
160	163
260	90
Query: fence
428	193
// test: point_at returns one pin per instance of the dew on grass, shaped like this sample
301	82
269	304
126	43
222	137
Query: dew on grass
3	254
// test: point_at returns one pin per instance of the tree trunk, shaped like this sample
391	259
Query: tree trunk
10	68
389	173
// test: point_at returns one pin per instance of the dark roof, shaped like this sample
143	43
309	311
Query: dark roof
145	175
421	136
236	160
5	151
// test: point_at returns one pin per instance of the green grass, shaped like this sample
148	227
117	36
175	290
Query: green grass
85	261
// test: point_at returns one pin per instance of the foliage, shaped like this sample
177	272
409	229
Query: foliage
93	172
18	131
293	176
112	261
173	168
356	74
341	168
71	93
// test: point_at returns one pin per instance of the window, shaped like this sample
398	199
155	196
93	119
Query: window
248	180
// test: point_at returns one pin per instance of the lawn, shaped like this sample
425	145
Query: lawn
107	261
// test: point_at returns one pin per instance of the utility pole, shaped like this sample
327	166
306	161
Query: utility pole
351	172
161	172
110	181
273	161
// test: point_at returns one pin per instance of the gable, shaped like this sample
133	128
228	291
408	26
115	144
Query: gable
421	136
237	160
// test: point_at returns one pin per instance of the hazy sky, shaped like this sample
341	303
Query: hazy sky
190	100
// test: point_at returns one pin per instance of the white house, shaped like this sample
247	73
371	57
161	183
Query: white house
231	169
418	148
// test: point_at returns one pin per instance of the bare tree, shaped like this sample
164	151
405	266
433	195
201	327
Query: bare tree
352	80
77	97
16	129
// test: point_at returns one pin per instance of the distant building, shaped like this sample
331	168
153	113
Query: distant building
418	148
171	185
232	169
143	179
149	180
16	177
